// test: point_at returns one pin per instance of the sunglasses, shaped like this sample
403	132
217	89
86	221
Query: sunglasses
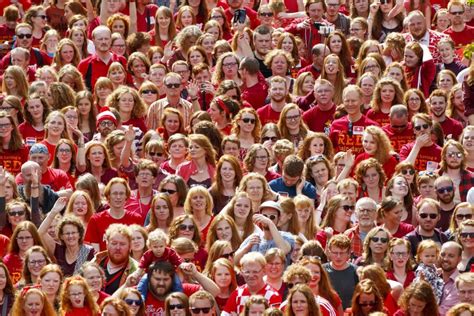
149	92
445	190
169	191
462	217
22	36
228	255
175	306
270	216
383	240
467	235
186	227
153	154
17	213
267	14
131	302
249	120
457	12
420	127
367	304
408	171
197	310
173	85
455	155
273	139
348	207
44	17
432	216
291	285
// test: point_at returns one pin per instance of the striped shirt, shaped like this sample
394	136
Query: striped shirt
236	302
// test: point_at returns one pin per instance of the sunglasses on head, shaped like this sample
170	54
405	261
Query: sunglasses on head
249	120
16	213
425	215
348	207
462	217
408	171
175	306
131	302
197	310
383	240
445	190
186	227
22	36
420	127
172	85
467	235
168	191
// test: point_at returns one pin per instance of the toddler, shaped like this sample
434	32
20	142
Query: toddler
426	256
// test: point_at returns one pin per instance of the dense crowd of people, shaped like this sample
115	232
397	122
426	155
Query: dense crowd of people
237	157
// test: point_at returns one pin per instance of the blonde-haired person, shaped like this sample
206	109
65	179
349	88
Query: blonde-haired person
247	127
77	298
305	213
199	204
240	210
461	309
396	71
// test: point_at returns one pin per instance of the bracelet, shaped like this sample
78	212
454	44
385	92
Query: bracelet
35	187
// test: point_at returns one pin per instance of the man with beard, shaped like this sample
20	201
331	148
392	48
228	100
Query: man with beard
97	65
453	164
418	31
445	192
423	153
399	130
438	103
253	271
106	122
449	258
366	215
239	4
459	32
117	192
115	259
159	284
278	91
427	215
340	21
320	114
269	236
262	40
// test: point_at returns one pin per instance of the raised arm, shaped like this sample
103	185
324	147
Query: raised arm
132	8
49	242
206	283
127	149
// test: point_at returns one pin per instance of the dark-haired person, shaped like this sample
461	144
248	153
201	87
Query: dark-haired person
255	87
292	182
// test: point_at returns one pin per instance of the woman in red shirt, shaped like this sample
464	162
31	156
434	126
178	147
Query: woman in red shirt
77	299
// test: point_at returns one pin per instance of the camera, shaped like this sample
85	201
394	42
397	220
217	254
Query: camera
239	16
318	25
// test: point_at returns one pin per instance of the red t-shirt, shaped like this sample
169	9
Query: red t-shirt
451	126
12	160
379	117
268	115
428	155
403	230
166	167
27	130
4	241
252	15
169	255
97	67
55	178
388	166
51	150
318	120
156	307
146	20
398	139
137	122
463	38
99	223
237	299
15	266
339	134
256	94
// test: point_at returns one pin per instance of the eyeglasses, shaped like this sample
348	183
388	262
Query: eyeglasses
425	215
37	262
364	304
348	208
400	254
169	191
186	227
261	157
461	217
355	30
247	273
228	255
149	92
44	17
293	117
383	240
106	124
445	190
76	294
420	127
153	154
64	150
457	12
173	85
270	216
215	17
267	14
70	234
229	65
466	235
22	36
273	139
175	306
408	171
24	238
249	120
197	310
16	213
131	302
455	155
6	125
365	210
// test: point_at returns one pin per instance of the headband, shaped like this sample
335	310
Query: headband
222	105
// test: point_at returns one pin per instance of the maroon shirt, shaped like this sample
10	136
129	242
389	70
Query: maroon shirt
430	154
266	114
344	139
398	139
451	126
256	94
319	120
94	66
